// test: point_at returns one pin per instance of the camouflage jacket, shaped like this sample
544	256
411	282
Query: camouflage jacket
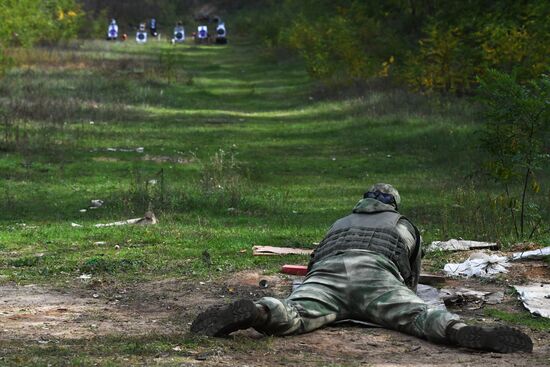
377	227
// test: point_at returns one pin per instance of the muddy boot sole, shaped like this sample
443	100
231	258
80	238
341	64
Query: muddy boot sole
501	339
223	320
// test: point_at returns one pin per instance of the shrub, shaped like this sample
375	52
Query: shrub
443	62
434	46
516	130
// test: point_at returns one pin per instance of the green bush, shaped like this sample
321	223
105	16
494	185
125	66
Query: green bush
438	46
443	62
26	22
515	133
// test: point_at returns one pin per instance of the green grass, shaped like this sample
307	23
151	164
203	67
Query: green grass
525	318
121	350
299	162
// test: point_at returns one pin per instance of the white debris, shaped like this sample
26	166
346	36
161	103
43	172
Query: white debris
83	210
126	150
536	298
459	245
85	276
431	296
119	223
534	254
76	225
96	203
465	295
100	243
479	265
148	218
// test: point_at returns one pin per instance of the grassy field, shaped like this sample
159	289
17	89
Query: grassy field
229	147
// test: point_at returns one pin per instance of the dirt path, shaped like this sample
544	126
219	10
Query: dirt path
35	315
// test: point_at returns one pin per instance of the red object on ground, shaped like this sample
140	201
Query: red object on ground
294	269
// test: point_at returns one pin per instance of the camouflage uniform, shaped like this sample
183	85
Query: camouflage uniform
366	268
360	284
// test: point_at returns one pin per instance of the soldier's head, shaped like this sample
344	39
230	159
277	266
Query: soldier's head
384	193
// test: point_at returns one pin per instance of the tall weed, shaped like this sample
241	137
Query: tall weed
221	178
485	216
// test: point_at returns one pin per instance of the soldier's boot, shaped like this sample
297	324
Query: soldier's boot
501	339
223	320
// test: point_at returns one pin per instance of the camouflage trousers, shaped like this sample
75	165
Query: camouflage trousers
357	285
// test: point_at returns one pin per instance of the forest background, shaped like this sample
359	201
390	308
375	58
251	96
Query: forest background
428	45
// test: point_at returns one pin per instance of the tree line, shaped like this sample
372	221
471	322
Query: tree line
429	45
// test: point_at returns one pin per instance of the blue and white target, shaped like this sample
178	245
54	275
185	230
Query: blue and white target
220	30
141	37
202	32
112	32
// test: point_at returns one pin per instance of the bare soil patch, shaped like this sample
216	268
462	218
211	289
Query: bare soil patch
37	314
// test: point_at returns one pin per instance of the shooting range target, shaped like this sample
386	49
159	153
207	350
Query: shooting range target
179	36
202	32
141	37
112	33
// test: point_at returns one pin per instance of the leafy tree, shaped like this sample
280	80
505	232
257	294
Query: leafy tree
26	22
434	45
516	131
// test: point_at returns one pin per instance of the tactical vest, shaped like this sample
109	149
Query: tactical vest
375	232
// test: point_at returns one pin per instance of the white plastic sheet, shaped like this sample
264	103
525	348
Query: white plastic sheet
479	265
535	298
431	296
534	254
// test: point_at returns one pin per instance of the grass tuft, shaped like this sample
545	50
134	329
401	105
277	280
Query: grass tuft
523	318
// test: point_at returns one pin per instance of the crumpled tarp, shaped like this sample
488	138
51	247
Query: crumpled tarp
439	299
535	298
534	254
431	296
466	295
478	265
459	245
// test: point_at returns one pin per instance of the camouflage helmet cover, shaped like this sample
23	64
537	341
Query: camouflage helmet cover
387	189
